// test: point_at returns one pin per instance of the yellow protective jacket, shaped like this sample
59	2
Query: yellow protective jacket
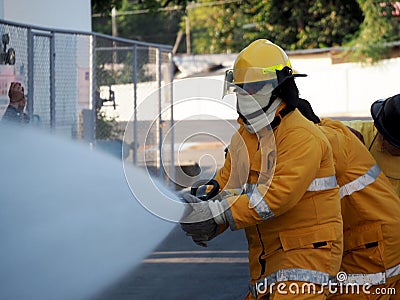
389	164
292	216
370	209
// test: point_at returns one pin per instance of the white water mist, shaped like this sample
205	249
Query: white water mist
69	224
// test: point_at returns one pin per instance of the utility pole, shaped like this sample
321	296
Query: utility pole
114	28
189	6
114	31
177	41
188	43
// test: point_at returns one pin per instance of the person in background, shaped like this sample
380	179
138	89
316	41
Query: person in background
15	110
370	211
382	137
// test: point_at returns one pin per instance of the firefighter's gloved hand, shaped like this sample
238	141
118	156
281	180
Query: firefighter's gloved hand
227	193
201	219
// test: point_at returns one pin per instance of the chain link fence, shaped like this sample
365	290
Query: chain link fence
114	93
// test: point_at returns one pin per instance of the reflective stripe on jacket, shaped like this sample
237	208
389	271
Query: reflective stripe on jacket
370	209
292	218
389	164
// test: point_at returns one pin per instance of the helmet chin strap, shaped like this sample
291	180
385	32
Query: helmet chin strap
278	118
271	100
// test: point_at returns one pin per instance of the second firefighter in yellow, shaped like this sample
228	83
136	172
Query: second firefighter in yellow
371	214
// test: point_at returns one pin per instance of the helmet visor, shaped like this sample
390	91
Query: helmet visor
250	81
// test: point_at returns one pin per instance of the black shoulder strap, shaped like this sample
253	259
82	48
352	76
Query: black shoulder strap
281	115
373	141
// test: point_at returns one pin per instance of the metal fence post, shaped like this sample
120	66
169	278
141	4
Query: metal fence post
160	131
30	72
172	171
52	82
93	88
135	122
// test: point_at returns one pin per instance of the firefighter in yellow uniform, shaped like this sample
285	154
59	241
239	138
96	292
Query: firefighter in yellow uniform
371	215
289	202
382	137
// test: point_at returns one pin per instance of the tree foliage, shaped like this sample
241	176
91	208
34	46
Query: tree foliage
104	6
150	26
156	27
380	26
298	24
303	24
228	26
217	29
107	127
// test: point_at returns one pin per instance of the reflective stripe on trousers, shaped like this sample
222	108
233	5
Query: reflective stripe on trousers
311	276
361	182
261	206
374	278
320	278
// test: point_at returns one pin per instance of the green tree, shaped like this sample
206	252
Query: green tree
156	27
304	24
380	27
107	127
216	28
149	25
297	24
104	6
228	26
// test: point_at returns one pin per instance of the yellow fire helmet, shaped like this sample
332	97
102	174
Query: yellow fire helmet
259	69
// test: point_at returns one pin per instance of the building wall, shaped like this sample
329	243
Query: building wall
345	89
59	14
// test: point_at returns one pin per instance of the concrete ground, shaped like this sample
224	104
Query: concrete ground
178	269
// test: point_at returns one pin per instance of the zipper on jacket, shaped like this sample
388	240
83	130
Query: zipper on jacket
260	259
